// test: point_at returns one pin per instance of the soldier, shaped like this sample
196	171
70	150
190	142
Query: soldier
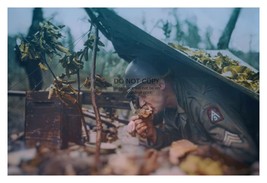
193	108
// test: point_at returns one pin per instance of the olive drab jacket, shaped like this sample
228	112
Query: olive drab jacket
210	116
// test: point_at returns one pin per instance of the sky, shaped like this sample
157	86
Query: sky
217	18
244	37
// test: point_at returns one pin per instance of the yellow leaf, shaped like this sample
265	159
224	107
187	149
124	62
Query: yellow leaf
24	50
43	67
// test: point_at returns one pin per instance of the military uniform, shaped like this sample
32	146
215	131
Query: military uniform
209	115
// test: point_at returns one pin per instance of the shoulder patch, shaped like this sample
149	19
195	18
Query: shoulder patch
214	114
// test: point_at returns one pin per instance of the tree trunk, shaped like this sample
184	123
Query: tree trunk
31	67
227	33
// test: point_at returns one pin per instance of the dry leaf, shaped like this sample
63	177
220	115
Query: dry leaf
122	164
196	165
179	149
150	163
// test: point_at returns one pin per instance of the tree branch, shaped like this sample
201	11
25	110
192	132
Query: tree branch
93	95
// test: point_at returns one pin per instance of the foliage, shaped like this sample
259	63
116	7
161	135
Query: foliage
225	66
45	44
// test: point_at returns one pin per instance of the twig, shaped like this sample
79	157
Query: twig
104	118
79	86
93	95
44	59
83	122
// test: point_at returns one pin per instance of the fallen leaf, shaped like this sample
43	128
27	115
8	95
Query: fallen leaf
179	149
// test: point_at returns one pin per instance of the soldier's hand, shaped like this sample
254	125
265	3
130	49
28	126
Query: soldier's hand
144	128
131	127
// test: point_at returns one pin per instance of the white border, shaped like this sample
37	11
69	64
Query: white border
4	4
133	3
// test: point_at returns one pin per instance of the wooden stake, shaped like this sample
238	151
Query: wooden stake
93	95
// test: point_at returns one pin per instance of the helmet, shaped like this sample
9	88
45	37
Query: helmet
141	70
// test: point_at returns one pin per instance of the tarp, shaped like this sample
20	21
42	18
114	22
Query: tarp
130	41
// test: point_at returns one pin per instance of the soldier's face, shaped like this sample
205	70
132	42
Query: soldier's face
153	95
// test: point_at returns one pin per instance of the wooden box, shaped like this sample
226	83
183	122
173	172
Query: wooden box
50	122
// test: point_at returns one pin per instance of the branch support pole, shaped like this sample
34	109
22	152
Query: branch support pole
93	95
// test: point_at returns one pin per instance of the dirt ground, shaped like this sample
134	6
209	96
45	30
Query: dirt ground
122	154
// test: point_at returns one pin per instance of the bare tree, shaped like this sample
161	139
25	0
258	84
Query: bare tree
192	37
227	33
208	43
31	67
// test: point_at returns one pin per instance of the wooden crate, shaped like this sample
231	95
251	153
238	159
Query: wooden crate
50	122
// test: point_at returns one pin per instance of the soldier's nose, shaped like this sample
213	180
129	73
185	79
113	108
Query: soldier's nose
141	101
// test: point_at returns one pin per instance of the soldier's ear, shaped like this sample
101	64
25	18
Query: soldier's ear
162	84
